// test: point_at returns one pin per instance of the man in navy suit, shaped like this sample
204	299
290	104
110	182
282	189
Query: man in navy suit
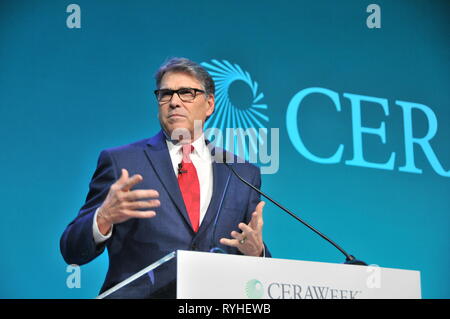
158	195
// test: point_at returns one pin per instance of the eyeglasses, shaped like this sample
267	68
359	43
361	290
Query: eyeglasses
185	94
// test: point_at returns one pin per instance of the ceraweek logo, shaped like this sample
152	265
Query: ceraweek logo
254	289
231	126
280	290
252	122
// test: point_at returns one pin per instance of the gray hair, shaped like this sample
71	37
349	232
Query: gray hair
184	65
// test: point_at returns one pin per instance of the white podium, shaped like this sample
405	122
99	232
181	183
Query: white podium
210	276
202	275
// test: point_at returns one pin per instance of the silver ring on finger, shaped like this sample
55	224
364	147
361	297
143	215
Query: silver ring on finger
242	241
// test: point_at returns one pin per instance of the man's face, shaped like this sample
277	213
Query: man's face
176	114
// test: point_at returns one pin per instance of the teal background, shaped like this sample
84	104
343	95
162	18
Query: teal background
66	94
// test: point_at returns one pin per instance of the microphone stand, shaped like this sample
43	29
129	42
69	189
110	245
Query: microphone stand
349	259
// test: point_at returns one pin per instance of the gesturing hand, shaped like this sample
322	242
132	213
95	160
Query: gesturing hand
122	204
250	241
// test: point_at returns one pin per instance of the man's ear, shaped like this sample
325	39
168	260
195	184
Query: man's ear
212	105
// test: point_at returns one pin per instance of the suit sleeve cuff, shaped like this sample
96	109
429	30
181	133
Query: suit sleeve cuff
263	254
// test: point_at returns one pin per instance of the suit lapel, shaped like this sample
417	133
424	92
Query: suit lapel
158	155
220	177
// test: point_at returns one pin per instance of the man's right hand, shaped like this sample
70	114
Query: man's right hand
122	204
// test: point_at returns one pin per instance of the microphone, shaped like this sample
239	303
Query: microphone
349	259
215	248
180	169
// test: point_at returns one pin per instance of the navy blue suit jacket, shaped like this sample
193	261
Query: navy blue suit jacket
137	243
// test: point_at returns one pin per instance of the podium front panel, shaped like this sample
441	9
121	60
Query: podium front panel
219	276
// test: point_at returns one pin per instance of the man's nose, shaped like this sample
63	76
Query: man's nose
175	101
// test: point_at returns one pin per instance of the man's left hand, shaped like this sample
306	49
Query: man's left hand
249	241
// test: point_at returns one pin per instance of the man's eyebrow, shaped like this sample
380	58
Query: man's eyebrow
180	88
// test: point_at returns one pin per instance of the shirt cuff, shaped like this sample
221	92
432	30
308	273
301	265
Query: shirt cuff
98	236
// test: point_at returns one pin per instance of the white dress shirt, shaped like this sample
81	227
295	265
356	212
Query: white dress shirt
201	158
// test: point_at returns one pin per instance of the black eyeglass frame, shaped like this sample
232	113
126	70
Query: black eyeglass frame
172	92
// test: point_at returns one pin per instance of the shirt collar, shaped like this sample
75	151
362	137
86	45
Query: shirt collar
199	147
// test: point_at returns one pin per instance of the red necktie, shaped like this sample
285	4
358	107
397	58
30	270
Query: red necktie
190	186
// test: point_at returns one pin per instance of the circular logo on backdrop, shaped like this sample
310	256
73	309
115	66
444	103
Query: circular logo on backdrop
254	289
227	114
